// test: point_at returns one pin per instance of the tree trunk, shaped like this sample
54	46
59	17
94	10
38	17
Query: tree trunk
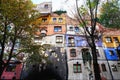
95	62
1	67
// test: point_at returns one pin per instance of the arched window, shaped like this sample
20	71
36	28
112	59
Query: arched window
76	29
71	28
86	56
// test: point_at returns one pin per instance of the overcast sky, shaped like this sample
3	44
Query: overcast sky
59	4
69	6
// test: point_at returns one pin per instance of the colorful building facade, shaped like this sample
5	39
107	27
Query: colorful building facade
66	33
111	41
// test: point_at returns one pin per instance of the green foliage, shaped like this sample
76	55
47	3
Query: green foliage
59	12
109	16
15	19
92	4
83	10
36	53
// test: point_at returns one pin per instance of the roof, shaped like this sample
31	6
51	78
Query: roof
56	15
111	31
71	21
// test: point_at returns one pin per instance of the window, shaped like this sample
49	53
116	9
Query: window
97	52
116	39
43	31
76	29
54	19
118	55
99	68
103	67
77	68
60	19
44	19
46	6
11	68
118	64
114	68
57	28
73	52
71	28
111	52
36	39
108	39
59	39
43	34
71	41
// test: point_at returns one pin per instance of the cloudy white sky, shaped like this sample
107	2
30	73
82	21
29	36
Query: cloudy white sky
59	4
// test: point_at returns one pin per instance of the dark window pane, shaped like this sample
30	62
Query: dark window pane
103	67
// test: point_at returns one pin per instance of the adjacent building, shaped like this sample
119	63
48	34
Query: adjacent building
111	41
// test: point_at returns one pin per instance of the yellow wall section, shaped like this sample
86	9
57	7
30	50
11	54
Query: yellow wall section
49	24
110	44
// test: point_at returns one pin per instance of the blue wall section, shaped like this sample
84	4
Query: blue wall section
111	57
81	41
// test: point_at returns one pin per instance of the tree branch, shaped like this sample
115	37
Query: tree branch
4	39
12	48
80	19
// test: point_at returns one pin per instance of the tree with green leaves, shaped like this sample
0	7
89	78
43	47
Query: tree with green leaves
109	14
36	53
15	19
87	17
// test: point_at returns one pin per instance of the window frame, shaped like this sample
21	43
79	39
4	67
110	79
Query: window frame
115	39
11	68
71	41
44	19
114	68
70	28
54	20
72	52
77	29
108	39
111	52
103	67
60	20
46	6
77	68
59	39
57	28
